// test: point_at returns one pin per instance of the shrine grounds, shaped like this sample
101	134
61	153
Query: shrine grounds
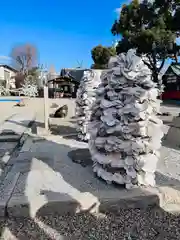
53	166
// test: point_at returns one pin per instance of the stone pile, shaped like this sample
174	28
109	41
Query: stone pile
84	100
125	132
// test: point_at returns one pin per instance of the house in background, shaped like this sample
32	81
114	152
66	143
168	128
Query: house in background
66	83
7	76
171	81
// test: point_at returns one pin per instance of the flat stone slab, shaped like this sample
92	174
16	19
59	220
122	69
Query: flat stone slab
62	203
172	208
48	181
6	148
172	138
9	138
28	157
6	190
176	122
42	191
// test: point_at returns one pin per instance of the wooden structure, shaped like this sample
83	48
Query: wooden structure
171	81
62	86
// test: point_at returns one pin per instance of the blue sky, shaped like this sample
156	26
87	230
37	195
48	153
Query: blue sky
64	32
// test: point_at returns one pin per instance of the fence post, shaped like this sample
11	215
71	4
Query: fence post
46	108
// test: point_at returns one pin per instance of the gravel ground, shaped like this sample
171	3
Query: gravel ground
151	224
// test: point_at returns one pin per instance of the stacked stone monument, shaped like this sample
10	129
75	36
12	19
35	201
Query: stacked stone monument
125	132
84	100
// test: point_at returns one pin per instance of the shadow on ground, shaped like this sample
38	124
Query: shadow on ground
145	223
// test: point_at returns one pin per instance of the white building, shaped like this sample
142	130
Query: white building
7	76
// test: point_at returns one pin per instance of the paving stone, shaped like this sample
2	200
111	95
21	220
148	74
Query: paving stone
21	157
6	189
18	206
136	198
2	153
172	208
176	122
21	206
3	203
8	146
27	157
27	145
64	198
62	203
34	164
170	195
171	137
4	172
9	138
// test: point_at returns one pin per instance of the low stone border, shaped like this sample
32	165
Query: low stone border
18	205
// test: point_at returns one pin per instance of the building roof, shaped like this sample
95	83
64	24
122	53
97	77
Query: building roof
175	68
8	67
61	79
75	73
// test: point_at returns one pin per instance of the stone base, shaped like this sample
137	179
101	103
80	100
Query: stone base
63	204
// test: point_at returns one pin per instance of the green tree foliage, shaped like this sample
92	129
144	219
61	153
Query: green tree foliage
151	27
101	56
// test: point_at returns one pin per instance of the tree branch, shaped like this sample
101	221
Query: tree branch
149	65
161	66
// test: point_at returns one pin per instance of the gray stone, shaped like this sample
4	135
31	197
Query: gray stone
4	160
172	137
27	145
176	122
27	157
172	208
136	198
18	206
6	189
3	203
21	206
3	172
9	138
21	157
8	146
34	164
9	183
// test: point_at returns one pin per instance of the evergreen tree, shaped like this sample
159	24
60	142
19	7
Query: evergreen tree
151	27
101	56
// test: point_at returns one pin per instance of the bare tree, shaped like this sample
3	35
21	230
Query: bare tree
25	57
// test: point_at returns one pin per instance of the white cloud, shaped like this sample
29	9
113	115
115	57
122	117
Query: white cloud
4	57
117	10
